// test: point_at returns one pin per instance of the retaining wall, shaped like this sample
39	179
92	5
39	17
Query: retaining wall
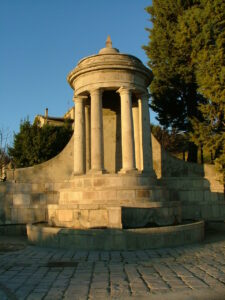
27	192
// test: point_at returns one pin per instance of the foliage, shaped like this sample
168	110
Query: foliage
4	158
172	141
34	144
173	89
209	57
187	56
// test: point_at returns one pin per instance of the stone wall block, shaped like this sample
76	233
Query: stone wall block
84	201
43	199
214	197
88	206
183	195
206	211
222	211
143	180
98	218
14	215
49	197
35	198
21	199
3	187
99	182
191	195
84	218
40	215
115	217
52	198
37	187
25	215
154	195
108	195
74	196
51	211
220	196
92	195
78	183
22	188
76	223
49	187
88	182
65	215
6	201
216	211
207	195
125	194
63	195
143	194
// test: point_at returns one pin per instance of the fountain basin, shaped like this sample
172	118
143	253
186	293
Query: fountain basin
115	239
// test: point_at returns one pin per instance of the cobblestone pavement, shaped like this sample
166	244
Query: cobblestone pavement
51	274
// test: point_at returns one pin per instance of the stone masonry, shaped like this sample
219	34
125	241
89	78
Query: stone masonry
112	140
190	272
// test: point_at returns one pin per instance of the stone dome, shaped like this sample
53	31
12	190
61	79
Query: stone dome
109	69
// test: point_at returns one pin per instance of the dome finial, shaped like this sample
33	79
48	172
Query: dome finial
108	47
108	43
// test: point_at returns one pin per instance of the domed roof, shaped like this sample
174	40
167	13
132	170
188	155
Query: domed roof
108	48
109	58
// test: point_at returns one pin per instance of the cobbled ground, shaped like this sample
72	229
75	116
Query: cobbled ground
34	273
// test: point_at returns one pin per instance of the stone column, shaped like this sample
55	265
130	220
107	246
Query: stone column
135	111
145	135
79	136
97	152
127	131
87	133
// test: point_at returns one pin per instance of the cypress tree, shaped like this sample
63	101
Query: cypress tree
174	88
34	144
209	57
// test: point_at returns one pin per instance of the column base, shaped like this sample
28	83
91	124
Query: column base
97	172
125	171
150	173
78	173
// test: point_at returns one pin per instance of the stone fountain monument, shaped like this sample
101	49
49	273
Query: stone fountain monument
114	184
101	192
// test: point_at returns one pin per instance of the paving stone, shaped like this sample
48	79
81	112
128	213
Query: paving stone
111	274
3	296
36	296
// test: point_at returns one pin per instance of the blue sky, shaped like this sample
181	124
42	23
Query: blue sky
42	41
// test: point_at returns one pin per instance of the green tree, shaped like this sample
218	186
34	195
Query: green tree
4	158
34	144
209	57
174	89
171	140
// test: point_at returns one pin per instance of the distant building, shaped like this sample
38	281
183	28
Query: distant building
55	121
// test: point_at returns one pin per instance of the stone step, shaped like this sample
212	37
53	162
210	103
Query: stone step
99	205
135	193
20	187
185	183
121	214
112	180
105	202
99	188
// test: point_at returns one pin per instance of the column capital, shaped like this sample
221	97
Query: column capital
145	95
124	90
79	98
97	91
